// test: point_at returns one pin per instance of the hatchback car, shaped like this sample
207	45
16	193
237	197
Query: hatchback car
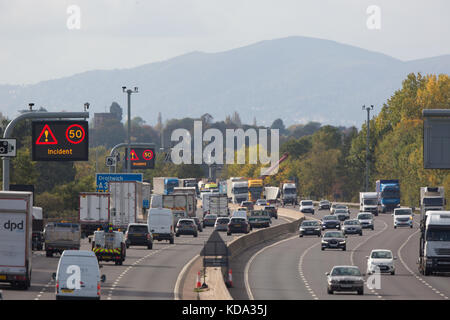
351	227
366	220
310	227
137	234
209	220
306	206
337	206
330	222
238	225
222	224
380	260
324	205
240	213
273	211
345	278
334	240
88	286
186	227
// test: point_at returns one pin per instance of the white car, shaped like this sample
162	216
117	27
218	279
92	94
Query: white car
83	263
403	217
382	260
307	206
366	220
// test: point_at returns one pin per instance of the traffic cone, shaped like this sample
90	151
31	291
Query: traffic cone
198	280
230	278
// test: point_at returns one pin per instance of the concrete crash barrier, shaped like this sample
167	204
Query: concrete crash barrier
216	285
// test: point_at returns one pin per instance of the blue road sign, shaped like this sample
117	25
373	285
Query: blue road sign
103	179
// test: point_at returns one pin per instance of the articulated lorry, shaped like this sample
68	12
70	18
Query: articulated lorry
15	238
431	199
288	193
182	205
218	204
255	189
434	246
388	194
126	205
368	202
165	185
189	183
192	193
93	211
237	189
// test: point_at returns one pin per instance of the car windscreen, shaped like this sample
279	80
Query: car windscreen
333	234
402	212
310	223
364	216
381	255
341	211
329	218
344	271
351	222
211	216
306	203
140	229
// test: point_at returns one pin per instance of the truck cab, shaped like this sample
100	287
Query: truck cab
289	194
239	191
368	202
431	199
388	194
434	249
255	189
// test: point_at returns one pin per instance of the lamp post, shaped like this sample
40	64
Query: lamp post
129	92
367	145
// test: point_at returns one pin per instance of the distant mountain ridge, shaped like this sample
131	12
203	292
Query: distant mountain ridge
297	79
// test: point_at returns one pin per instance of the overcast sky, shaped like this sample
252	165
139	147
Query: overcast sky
37	45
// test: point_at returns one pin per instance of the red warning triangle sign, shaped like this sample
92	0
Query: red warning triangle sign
46	136
134	156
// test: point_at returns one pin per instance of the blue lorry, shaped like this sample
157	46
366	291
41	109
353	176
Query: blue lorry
164	185
388	194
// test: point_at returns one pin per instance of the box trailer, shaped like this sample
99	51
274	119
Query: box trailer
126	205
16	209
93	211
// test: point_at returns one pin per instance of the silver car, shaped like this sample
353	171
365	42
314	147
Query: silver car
366	220
221	224
345	278
352	227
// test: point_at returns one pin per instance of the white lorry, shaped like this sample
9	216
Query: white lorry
15	238
192	192
431	199
93	212
182	205
271	194
434	246
126	204
237	189
288	193
368	202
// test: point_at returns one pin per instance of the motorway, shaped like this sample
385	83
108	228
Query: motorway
145	274
294	268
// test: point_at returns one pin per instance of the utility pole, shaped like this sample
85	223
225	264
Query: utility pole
129	92
367	145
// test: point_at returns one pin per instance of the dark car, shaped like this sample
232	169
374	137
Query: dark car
345	278
334	240
324	205
352	227
238	225
198	223
137	234
310	227
273	211
186	227
209	220
331	222
248	204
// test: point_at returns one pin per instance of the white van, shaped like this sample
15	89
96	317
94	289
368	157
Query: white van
78	262
160	224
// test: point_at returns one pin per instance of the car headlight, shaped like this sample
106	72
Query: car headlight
318	229
302	229
324	241
342	242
